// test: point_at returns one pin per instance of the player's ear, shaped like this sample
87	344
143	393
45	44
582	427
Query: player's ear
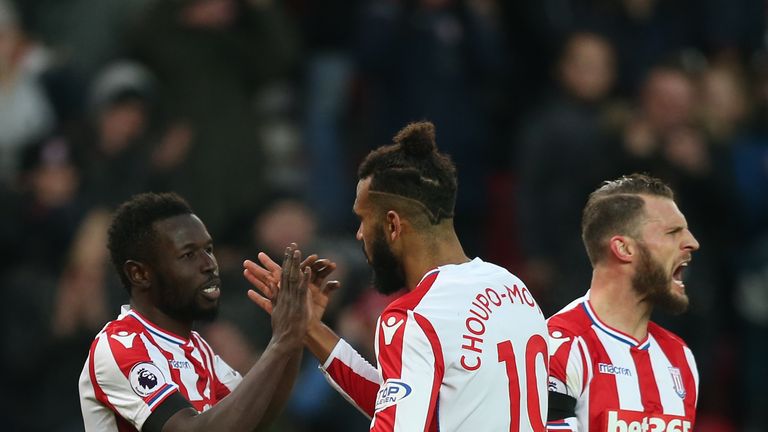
622	248
394	225
137	273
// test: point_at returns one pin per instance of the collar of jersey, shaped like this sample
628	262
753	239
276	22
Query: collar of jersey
157	331
612	332
437	269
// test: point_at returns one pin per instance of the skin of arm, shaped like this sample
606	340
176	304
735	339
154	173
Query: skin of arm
246	408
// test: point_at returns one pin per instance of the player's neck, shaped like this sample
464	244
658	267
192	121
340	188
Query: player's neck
160	319
425	255
618	305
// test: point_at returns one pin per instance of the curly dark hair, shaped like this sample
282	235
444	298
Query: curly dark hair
131	234
615	208
412	168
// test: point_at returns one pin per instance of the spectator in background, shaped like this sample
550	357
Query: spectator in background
117	140
26	111
329	74
750	255
213	60
86	34
563	153
38	226
724	106
436	59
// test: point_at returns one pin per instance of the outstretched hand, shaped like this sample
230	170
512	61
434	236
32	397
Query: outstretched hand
266	278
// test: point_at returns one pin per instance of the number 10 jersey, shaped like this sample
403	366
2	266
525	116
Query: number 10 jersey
465	350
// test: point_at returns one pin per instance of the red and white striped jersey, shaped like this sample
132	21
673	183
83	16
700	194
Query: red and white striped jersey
620	383
133	366
464	351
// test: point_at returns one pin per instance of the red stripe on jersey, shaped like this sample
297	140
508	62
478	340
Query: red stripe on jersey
126	358
203	369
122	424
559	361
426	326
391	351
175	373
584	368
608	396
649	391
220	391
100	395
390	361
359	388
410	300
673	348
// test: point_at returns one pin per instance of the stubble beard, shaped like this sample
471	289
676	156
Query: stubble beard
182	308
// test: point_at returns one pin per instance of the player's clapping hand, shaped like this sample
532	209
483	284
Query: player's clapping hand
266	279
291	303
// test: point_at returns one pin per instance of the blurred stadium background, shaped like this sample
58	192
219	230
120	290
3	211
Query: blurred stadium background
258	111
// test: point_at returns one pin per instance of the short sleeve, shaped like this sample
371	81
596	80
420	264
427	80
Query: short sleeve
410	359
567	363
567	375
129	375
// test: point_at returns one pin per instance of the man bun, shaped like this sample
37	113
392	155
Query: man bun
417	139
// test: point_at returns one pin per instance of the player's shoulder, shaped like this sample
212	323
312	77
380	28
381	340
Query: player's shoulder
397	309
663	335
123	329
572	320
122	326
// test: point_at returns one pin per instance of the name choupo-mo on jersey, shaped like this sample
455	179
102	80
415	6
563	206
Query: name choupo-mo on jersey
465	350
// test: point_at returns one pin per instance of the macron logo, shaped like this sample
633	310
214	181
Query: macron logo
389	327
607	368
556	339
124	338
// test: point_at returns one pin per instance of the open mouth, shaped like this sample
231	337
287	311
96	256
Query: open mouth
212	291
678	273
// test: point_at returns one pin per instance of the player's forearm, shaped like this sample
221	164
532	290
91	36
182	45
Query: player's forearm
321	340
284	388
245	408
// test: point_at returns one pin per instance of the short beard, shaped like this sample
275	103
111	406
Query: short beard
181	309
388	276
652	283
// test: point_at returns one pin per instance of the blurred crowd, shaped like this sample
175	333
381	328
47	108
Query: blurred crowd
258	112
